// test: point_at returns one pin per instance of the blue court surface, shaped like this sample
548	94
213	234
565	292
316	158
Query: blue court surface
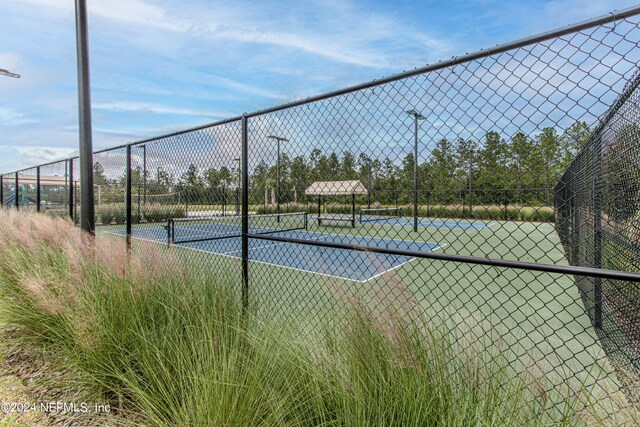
342	263
451	224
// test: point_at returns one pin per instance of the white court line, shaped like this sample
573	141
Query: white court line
257	247
449	224
400	265
227	254
223	254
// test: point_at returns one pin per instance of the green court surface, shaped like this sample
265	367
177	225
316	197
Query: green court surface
539	317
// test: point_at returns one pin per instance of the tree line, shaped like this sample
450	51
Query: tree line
520	169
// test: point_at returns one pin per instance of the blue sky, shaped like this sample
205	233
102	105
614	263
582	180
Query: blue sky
164	65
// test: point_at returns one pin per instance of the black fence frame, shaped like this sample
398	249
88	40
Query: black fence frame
596	272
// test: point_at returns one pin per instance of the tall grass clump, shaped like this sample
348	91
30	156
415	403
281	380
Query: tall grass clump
169	344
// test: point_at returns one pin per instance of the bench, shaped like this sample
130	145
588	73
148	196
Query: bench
336	218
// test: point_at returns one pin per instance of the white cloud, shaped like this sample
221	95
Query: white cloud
130	12
333	33
243	87
17	157
11	117
310	43
9	60
157	109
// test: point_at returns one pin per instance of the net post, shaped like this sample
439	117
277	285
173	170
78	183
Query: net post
17	192
38	192
245	213
128	197
71	201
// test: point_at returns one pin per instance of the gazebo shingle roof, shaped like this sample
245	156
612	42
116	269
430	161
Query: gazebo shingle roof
336	188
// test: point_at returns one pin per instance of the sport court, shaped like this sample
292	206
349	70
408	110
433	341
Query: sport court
221	235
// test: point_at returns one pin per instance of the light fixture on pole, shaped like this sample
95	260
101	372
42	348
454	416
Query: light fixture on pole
9	74
278	139
416	116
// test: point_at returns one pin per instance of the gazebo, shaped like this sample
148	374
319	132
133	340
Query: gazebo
337	188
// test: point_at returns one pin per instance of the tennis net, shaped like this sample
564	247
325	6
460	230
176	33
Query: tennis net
199	229
378	214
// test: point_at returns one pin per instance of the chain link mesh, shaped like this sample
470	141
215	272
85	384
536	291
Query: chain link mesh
499	156
597	202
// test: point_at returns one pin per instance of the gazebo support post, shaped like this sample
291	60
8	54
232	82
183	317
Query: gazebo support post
353	210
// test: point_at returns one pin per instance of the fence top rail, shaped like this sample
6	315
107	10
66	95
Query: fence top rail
456	60
469	259
53	162
177	133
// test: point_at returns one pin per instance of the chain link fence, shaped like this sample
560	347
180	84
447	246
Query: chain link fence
598	200
497	190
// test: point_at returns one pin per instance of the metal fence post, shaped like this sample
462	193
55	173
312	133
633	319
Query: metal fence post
415	175
71	187
1	191
139	212
128	197
597	238
17	192
245	213
38	193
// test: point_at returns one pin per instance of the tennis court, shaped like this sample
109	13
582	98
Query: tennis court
221	235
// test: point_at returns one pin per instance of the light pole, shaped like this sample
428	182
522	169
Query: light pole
238	188
9	74
87	209
278	139
416	116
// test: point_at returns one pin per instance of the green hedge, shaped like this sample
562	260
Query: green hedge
118	215
484	212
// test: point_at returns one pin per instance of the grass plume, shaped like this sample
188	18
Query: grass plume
171	345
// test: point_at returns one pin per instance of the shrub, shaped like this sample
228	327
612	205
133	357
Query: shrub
106	216
120	217
160	213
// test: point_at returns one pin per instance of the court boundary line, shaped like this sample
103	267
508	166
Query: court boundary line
227	254
375	276
458	221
